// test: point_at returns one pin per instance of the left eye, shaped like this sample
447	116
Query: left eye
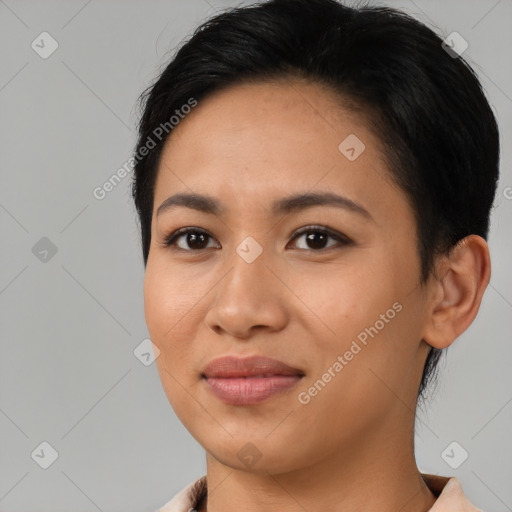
317	238
197	239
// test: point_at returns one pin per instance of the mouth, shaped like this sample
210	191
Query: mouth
250	380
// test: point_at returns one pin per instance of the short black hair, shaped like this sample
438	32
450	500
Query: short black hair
425	104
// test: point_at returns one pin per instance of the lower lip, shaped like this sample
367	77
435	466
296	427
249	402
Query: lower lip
250	390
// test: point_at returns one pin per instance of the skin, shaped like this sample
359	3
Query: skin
351	447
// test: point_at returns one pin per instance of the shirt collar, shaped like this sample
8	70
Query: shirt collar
447	490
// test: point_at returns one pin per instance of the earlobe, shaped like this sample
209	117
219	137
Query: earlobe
457	289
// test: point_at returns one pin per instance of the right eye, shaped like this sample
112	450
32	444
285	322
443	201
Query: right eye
195	238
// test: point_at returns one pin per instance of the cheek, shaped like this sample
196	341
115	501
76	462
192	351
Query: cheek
169	310
343	299
158	308
367	317
170	296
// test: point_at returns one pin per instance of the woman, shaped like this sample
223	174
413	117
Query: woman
313	183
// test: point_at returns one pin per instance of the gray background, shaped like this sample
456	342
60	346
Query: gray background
70	324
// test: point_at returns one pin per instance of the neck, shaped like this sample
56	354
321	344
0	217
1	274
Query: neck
375	472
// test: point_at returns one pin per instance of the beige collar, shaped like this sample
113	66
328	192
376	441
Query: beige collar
447	490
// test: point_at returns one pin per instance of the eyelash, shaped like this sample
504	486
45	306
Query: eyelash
170	240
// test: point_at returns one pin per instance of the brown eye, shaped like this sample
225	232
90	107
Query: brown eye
316	239
192	239
188	239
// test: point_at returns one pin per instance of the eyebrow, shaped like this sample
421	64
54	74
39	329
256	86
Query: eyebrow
297	202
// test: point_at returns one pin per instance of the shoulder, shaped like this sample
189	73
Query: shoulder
449	494
187	499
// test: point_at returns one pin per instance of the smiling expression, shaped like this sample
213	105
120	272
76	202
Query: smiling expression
293	250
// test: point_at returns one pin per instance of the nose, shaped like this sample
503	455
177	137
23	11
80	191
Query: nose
248	299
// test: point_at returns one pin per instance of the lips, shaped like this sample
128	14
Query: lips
250	380
231	367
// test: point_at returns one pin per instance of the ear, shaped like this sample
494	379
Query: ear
456	290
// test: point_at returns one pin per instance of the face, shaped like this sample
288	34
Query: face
327	284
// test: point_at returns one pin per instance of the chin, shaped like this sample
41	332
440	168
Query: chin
256	453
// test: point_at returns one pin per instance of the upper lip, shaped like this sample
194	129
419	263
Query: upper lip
232	366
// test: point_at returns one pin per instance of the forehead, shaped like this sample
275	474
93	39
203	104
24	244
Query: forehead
256	140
